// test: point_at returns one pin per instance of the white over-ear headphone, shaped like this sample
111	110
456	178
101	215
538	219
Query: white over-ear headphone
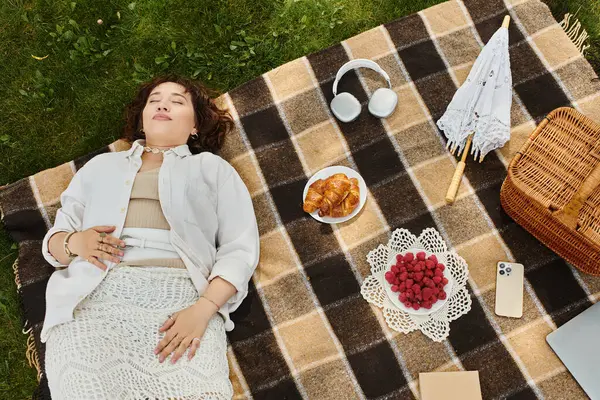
346	107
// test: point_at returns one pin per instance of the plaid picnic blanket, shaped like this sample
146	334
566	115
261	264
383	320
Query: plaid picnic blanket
305	331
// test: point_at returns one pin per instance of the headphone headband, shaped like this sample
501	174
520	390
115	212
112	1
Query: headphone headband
359	62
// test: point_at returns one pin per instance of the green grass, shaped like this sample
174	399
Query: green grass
71	102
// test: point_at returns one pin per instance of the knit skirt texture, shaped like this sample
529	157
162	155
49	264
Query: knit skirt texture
107	352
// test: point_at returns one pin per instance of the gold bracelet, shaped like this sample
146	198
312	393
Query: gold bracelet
65	244
216	305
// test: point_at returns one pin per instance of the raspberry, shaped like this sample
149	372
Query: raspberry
442	295
437	279
403	276
433	258
409	283
414	262
407	304
431	284
389	276
416	288
441	267
419	297
395	269
445	281
408	257
421	256
426	293
416	306
429	273
403	269
418	276
433	299
409	294
436	291
438	272
426	304
429	264
402	297
402	287
410	267
395	288
418	268
396	281
399	258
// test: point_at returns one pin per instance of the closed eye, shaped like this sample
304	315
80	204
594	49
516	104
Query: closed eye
177	102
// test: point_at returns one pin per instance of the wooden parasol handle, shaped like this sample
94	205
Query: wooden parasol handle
458	173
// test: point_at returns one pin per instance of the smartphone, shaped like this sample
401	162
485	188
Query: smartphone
509	289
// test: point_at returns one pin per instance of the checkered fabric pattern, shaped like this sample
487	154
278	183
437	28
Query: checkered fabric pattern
304	331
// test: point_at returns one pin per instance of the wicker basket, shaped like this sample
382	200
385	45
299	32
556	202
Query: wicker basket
553	187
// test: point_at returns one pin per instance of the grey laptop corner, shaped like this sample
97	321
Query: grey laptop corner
577	344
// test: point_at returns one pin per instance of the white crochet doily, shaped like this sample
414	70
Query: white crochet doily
434	323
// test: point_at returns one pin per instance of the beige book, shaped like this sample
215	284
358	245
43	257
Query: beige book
463	385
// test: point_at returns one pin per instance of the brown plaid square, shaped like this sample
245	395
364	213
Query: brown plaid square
445	17
305	111
290	79
429	173
370	44
308	341
530	344
310	144
246	166
558	49
482	254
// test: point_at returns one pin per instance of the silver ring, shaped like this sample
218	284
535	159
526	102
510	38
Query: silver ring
196	338
171	317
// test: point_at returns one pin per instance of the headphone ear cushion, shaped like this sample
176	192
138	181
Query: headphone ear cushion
383	102
345	107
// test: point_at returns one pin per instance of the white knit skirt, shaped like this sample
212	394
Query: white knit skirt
107	352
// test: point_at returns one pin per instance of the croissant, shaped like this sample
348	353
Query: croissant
337	188
350	201
314	196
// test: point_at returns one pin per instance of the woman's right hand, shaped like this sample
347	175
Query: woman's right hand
90	245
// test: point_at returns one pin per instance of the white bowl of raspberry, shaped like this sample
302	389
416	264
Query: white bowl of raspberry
417	281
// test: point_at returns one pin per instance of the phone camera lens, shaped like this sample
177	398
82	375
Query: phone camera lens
501	272
508	269
501	265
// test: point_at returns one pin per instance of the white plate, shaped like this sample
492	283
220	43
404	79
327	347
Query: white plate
326	173
394	296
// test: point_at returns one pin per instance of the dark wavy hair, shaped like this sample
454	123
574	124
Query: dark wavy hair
212	122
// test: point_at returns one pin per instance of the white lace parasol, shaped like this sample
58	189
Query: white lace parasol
434	323
481	106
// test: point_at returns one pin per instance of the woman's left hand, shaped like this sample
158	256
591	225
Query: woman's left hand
184	329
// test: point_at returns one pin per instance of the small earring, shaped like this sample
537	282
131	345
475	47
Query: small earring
195	135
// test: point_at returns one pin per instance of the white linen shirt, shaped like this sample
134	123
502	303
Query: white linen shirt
204	200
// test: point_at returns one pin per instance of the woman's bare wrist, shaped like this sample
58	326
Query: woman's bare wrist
208	304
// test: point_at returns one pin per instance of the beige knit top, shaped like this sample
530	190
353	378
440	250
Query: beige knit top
144	211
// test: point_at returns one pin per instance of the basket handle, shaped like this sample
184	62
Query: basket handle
569	214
